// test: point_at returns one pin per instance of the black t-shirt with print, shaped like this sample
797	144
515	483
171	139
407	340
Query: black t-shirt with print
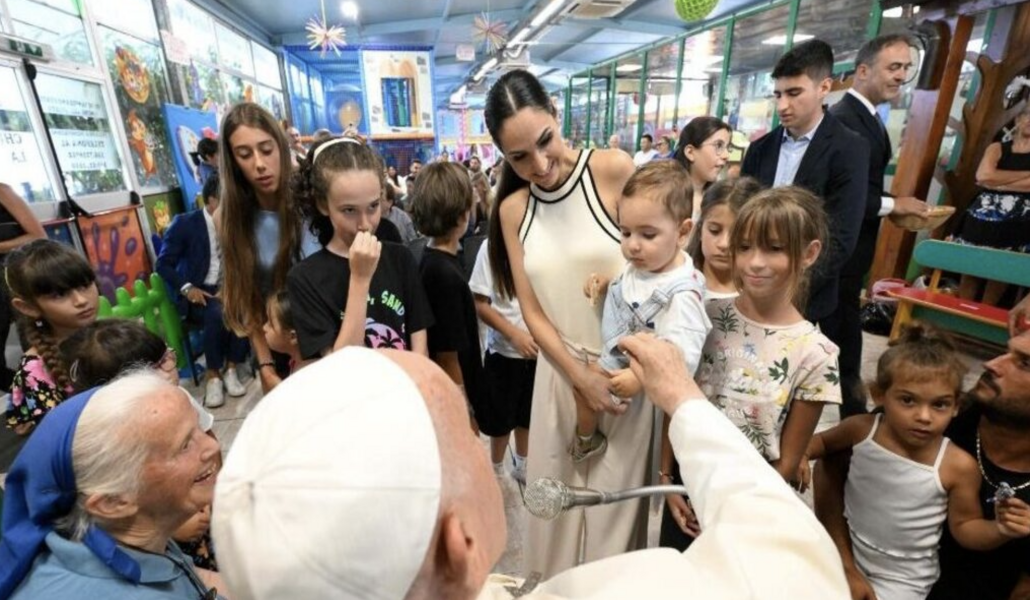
991	575
456	328
397	305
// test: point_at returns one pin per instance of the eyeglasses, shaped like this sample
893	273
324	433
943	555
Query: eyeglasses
720	147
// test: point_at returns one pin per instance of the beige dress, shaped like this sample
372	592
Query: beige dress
567	235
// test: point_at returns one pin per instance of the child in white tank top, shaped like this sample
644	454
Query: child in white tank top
905	479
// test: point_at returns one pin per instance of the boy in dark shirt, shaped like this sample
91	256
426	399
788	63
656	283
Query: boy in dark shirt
441	208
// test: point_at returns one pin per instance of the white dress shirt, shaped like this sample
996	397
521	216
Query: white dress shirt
886	202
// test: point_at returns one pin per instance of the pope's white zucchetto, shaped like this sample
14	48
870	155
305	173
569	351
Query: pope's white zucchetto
332	487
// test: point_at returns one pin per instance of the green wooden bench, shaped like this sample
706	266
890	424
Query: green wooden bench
157	312
966	317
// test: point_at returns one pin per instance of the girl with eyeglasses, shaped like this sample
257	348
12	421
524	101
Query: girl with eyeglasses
703	149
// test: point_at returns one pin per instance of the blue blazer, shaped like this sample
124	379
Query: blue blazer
186	252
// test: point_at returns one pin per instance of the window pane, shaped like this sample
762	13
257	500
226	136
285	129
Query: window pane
316	89
21	160
298	81
702	71
758	42
56	23
137	71
272	100
660	103
194	27
841	23
266	67
77	118
131	16
578	113
204	87
234	50
599	109
627	96
236	90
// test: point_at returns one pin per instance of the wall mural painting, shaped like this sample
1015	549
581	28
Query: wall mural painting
137	70
188	126
115	247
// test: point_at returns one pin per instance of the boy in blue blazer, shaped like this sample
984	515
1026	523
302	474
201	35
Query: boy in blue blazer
191	263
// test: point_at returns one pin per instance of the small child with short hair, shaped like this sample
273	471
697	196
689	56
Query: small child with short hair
280	333
659	290
905	480
441	208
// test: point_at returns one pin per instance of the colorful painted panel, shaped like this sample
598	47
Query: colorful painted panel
187	127
137	71
399	93
160	209
272	100
115	247
203	87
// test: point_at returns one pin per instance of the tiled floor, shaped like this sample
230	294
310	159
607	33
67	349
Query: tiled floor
229	418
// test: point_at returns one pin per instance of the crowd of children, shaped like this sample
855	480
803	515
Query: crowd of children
729	291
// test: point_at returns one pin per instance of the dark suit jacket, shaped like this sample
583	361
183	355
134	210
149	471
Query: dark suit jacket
857	118
835	167
185	252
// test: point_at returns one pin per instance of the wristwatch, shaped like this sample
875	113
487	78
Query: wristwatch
185	290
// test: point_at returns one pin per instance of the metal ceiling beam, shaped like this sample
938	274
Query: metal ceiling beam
630	25
406	26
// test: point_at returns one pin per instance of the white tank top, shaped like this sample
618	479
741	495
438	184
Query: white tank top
567	234
894	504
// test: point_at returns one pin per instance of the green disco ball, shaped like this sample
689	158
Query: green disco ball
695	10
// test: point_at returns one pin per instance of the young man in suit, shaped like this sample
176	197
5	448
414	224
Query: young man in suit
812	149
191	262
883	65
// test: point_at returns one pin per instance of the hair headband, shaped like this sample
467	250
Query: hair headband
333	142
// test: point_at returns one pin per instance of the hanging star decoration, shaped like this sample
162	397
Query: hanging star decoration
321	35
492	34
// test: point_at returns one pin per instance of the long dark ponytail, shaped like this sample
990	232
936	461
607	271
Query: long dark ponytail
511	93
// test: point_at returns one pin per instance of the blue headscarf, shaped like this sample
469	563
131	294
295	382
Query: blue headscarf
41	489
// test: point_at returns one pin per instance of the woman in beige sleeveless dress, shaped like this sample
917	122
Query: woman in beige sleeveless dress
553	227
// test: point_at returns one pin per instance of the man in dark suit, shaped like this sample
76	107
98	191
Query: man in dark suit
883	66
813	150
191	263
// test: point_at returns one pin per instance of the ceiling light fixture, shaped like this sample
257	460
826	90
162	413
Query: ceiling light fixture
485	68
349	8
546	13
629	68
520	36
781	39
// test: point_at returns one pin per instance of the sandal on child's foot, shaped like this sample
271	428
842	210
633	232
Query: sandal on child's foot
581	450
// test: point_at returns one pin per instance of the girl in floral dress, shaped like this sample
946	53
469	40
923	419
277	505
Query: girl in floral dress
764	365
54	291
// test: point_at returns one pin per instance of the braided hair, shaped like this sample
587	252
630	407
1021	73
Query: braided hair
45	268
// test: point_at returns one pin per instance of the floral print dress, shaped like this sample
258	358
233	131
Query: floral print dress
754	372
33	392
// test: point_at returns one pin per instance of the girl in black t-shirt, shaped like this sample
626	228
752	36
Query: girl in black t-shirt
356	290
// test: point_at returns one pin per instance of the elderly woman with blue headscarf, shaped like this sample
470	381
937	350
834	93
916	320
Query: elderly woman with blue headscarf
95	494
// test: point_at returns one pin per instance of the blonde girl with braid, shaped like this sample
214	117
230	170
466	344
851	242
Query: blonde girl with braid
54	293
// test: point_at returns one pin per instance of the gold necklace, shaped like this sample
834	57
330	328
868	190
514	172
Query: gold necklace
983	473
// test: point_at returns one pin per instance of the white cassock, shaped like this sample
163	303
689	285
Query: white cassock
760	541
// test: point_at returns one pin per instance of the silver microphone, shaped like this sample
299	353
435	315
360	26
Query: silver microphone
548	498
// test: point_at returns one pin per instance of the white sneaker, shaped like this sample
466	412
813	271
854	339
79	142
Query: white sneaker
519	473
232	384
213	396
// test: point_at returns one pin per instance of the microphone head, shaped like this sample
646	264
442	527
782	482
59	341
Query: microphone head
546	498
